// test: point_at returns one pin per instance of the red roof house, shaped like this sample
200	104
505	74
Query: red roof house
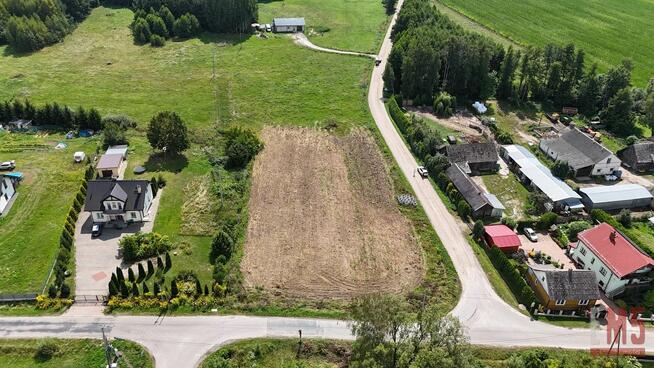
618	263
503	237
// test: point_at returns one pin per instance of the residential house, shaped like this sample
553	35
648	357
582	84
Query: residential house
474	158
558	289
288	25
533	173
585	156
616	197
638	157
502	237
7	192
619	265
483	204
118	201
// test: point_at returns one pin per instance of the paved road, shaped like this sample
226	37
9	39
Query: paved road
183	341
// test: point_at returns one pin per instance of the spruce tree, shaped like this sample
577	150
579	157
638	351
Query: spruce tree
142	273
124	291
112	288
160	264
206	290
130	275
173	289
135	289
156	289
169	263
198	288
145	288
150	270
119	274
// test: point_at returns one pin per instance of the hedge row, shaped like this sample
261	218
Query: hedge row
398	116
67	239
512	276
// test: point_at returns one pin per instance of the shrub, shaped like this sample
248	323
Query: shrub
221	245
112	135
241	145
631	140
169	262
546	220
561	169
64	292
157	41
509	222
186	26
512	276
478	229
625	218
576	227
124	122
168	131
398	115
444	105
45	351
143	245
463	209
52	291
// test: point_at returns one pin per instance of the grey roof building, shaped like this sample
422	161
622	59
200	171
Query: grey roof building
286	25
474	157
616	197
583	154
129	192
564	289
638	157
483	204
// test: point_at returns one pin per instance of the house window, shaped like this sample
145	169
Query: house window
582	250
560	302
602	271
98	215
133	214
592	261
608	161
583	302
114	205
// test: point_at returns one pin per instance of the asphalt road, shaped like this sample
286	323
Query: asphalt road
183	341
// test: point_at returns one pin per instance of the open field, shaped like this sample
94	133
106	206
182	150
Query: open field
607	31
84	353
323	220
29	234
266	81
353	25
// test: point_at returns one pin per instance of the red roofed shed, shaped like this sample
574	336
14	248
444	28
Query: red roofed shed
503	237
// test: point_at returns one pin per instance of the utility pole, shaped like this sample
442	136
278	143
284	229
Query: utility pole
299	345
107	349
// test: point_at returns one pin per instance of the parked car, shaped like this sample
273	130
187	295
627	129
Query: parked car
377	61
530	234
7	165
422	171
268	28
96	230
451	139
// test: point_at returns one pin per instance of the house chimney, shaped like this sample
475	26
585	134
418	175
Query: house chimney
570	274
612	236
138	189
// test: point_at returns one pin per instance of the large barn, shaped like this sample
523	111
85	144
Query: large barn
616	197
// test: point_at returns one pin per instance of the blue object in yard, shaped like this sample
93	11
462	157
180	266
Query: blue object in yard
16	175
85	133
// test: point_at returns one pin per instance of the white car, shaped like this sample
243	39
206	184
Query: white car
422	171
530	234
7	165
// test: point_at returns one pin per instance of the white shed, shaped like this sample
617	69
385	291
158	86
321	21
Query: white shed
288	25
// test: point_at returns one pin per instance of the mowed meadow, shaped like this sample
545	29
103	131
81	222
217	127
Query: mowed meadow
607	31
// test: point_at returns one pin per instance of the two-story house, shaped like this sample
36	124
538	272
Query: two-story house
7	191
619	265
118	201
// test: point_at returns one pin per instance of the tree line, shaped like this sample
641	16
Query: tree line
30	25
431	55
52	114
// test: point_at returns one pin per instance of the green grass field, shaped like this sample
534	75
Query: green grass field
21	353
29	234
357	25
607	31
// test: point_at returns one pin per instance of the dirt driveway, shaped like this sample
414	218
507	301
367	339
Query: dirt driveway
323	219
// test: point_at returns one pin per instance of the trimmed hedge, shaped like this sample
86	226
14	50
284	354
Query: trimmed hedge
397	115
512	276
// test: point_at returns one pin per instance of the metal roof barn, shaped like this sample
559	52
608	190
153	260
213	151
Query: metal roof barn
282	25
616	197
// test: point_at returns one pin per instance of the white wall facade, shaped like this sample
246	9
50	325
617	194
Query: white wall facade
607	281
607	166
7	191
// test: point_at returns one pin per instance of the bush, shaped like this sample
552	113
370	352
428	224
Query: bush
444	105
221	245
625	218
509	222
546	220
478	229
168	131
631	140
512	276
113	135
398	115
157	41
561	169
65	291
576	227
186	26
463	209
45	351
143	245
122	121
241	146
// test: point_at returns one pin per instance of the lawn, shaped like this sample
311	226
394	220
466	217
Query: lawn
257	81
509	191
598	27
352	25
29	234
84	353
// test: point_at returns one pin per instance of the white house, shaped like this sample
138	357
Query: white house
583	154
7	191
288	25
118	201
618	264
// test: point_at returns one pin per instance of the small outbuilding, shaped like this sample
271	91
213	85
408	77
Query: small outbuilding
109	166
638	157
474	158
117	150
502	237
288	25
616	197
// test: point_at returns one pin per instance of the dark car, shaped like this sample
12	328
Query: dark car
96	230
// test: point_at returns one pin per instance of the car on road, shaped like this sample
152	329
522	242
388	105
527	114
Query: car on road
377	61
7	165
530	234
268	28
422	171
96	230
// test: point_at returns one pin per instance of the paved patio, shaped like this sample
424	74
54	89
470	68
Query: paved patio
546	245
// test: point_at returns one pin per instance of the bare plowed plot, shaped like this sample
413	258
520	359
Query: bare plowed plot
323	220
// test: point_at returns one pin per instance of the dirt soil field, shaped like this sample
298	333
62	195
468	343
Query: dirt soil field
323	219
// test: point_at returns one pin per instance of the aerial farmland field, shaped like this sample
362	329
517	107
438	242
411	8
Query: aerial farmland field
607	31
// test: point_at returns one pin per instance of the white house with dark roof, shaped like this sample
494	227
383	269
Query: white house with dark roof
118	201
288	25
7	192
583	154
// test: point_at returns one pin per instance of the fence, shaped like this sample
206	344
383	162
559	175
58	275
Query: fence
13	298
91	299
